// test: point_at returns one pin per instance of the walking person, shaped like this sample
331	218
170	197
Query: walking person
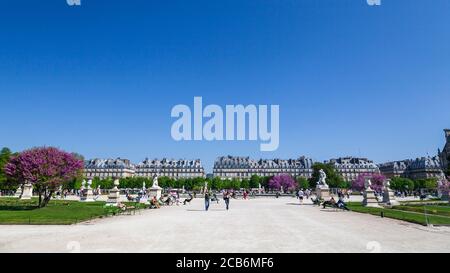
226	198
307	193
301	194
207	198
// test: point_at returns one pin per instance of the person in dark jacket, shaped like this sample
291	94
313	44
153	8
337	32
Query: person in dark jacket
207	198
226	198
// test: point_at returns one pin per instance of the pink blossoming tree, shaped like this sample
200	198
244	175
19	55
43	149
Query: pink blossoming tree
45	168
283	180
376	179
444	186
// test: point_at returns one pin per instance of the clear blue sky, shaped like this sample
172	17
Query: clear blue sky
350	79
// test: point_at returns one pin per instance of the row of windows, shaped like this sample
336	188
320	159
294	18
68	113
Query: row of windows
169	170
258	174
173	175
107	175
261	169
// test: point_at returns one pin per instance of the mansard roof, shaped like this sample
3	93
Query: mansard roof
425	163
170	163
396	165
352	163
109	163
236	162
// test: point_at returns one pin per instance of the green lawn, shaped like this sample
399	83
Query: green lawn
436	215
57	212
443	210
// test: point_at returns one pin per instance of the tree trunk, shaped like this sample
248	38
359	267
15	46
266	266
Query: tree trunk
21	187
40	196
47	197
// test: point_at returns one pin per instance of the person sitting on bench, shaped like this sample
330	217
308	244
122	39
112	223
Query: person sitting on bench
155	203
341	204
330	203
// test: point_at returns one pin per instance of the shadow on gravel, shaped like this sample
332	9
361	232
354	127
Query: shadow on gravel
297	204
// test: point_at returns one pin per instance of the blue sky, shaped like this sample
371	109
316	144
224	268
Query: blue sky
350	79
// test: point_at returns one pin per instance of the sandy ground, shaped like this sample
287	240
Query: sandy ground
258	225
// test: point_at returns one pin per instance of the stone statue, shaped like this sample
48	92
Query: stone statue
322	179
155	181
368	184
155	190
387	184
388	194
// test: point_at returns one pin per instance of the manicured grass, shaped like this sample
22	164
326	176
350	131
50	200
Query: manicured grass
443	210
57	212
407	213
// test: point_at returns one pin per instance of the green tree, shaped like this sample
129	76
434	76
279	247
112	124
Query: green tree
334	179
199	183
302	183
254	182
5	155
429	183
216	183
245	184
401	184
265	181
235	184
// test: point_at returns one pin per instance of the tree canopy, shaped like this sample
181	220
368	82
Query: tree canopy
45	168
376	179
283	180
5	155
402	184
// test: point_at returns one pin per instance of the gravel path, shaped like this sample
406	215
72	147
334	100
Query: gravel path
259	225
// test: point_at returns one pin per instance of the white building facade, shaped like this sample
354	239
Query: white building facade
351	167
108	168
176	169
235	167
121	168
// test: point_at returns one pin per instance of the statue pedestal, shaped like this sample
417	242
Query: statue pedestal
113	197
155	191
27	192
323	193
88	196
18	192
369	199
389	198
